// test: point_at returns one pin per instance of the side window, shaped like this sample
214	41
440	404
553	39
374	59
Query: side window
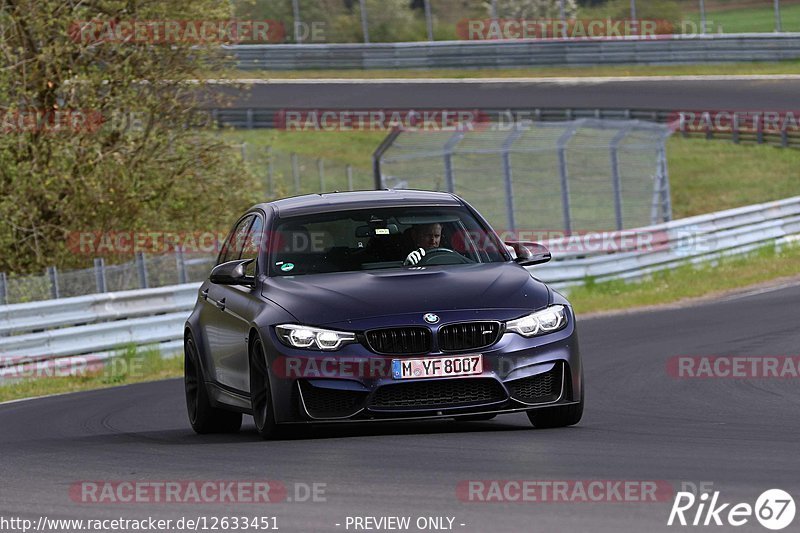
232	249
253	245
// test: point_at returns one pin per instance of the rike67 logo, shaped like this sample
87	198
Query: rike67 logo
774	509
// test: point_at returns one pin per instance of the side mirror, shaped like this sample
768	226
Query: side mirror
530	253
232	273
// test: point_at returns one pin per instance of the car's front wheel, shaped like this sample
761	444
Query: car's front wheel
202	415
261	394
557	417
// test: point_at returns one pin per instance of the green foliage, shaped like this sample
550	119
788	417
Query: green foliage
142	168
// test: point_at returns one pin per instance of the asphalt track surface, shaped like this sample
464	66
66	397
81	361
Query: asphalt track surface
639	424
656	94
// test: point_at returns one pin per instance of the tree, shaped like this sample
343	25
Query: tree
96	135
532	9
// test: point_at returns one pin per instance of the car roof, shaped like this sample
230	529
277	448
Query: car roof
344	201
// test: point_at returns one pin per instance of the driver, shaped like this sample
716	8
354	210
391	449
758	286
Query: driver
423	237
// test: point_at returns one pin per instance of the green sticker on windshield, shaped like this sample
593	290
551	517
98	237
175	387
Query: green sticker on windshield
287	267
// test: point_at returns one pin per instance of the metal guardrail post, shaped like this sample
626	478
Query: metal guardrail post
295	174
377	156
3	289
449	146
616	179
364	20
562	172
778	25
180	265
702	17
249	119
509	141
52	272
321	172
141	267
100	274
428	19
349	171
298	35
270	172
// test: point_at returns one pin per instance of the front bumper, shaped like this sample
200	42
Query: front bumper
519	374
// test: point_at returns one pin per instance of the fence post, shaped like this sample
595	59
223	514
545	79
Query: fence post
563	14
180	264
3	289
377	156
270	171
616	179
249	122
100	274
778	25
321	172
735	128
507	173
141	266
244	152
702	17
562	172
364	20
52	272
451	143
494	10
349	177
298	35
633	10
429	19
295	174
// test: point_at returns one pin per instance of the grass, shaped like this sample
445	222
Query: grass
748	20
128	367
688	281
772	68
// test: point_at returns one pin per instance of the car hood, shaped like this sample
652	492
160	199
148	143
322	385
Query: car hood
321	299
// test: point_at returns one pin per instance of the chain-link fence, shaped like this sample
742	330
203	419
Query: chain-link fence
144	272
352	21
290	174
583	175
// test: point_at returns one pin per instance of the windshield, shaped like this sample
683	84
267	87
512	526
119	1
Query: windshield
372	239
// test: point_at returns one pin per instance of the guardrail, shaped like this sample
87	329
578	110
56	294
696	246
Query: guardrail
257	118
59	331
666	49
636	253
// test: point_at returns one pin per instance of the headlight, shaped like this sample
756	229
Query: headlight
313	338
541	322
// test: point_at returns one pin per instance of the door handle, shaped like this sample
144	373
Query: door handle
204	294
221	304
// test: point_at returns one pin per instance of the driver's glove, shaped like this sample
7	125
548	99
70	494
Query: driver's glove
415	257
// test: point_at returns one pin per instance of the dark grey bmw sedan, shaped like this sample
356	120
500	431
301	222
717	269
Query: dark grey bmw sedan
377	305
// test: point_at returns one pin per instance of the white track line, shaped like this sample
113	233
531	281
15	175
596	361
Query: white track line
500	81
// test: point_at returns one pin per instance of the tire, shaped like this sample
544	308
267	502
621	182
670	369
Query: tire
261	394
558	417
474	418
203	417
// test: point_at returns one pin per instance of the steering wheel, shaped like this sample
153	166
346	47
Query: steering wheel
443	256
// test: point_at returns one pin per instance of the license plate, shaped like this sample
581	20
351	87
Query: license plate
463	365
